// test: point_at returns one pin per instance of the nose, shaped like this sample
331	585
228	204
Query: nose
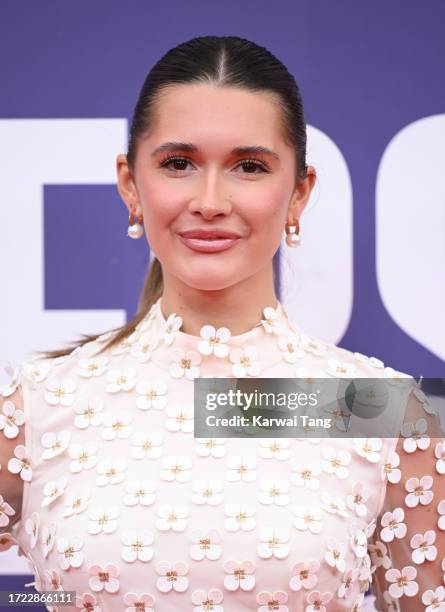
210	199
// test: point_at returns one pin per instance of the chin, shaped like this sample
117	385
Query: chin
210	281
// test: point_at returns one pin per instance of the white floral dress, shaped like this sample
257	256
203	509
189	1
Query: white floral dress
122	504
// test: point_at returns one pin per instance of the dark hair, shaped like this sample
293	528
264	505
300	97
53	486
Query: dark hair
222	61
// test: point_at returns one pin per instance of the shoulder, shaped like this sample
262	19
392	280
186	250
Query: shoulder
39	369
344	363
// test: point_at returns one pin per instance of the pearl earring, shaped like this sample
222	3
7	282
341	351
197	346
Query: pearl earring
135	229
293	234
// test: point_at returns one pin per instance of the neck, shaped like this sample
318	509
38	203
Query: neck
238	307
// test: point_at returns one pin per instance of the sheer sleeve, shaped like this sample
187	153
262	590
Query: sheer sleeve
408	545
15	466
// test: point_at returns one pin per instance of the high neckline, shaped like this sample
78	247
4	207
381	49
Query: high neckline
216	351
264	324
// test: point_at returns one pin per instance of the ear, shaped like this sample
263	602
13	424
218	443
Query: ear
301	195
126	186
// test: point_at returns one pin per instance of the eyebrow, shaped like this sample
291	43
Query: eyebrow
191	148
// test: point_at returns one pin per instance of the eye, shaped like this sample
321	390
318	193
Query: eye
178	164
253	164
172	159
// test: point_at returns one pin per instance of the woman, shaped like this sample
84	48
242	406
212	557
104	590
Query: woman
118	500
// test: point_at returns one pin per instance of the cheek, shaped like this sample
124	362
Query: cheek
268	214
159	209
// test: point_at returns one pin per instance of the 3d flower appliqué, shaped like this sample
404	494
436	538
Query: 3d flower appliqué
103	519
240	516
391	470
435	600
347	582
48	538
207	492
368	448
54	579
419	491
76	503
393	525
423	547
441	520
87	368
336	461
22	463
274	449
240	575
5	512
60	392
121	380
116	425
36	371
32	525
356	501
273	492
357	540
126	344
172	325
308	518
87	602
176	468
402	582
83	456
137	545
416	436
304	575
379	556
110	472
214	341
271	322
185	363
335	555
146	445
340	369
207	600
172	576
245	362
11	419
144	346
140	493
101	578
88	412
54	443
272	601
180	418
172	517
206	544
143	602
311	345
439	453
152	395
333	505
53	489
316	601
306	475
70	553
241	468
211	447
273	542
289	344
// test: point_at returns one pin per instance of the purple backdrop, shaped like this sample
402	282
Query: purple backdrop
365	69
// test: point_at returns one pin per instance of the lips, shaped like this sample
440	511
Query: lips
209	241
209	234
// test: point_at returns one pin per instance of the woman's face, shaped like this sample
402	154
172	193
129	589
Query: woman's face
211	183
